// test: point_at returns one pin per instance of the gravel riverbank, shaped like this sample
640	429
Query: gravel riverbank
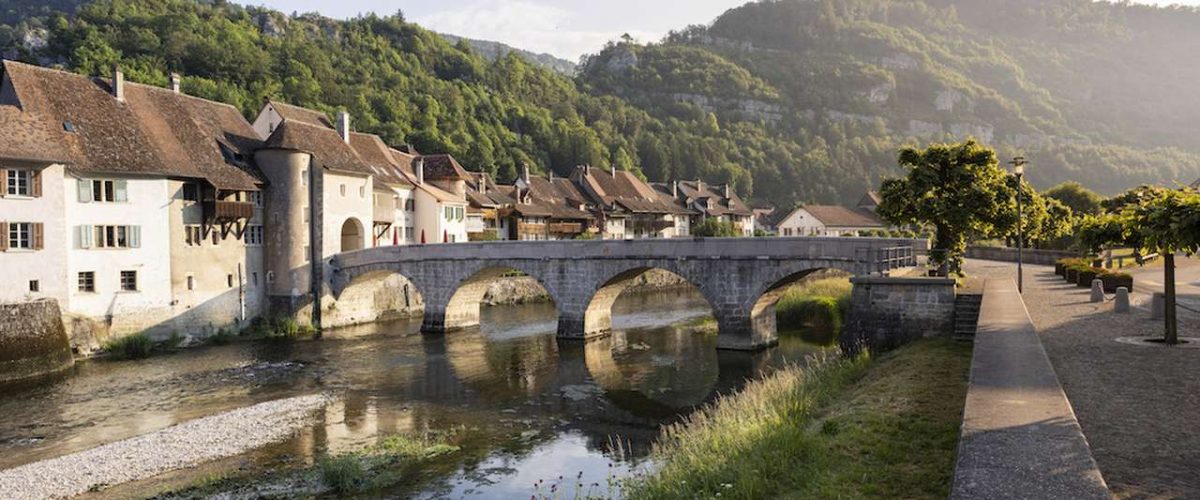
180	446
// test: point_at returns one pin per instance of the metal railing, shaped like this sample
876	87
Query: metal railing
879	260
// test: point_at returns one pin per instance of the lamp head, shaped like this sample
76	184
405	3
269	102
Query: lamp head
1018	164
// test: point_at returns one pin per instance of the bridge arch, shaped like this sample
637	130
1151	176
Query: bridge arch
596	320
376	295
462	306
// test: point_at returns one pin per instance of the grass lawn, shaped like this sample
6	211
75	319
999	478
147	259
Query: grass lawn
864	428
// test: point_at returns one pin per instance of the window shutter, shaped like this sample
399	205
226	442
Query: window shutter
120	191
35	183
135	236
36	229
85	236
3	185
3	236
85	190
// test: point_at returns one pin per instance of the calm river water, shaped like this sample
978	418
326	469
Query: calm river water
548	410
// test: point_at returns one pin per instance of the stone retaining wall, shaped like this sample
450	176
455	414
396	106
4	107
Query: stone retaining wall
32	340
888	312
1029	255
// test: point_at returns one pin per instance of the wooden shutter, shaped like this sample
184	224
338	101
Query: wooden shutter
85	190
4	185
120	191
36	230
3	236
35	183
134	233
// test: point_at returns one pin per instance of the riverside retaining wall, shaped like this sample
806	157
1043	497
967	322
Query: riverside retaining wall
32	340
888	312
1029	255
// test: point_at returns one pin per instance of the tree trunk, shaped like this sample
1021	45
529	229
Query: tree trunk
1172	337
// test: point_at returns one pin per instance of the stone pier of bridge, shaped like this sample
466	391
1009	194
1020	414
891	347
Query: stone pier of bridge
741	278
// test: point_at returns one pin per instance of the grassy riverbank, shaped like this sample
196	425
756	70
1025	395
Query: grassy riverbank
821	304
861	428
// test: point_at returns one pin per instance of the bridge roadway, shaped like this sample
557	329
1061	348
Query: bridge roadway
742	278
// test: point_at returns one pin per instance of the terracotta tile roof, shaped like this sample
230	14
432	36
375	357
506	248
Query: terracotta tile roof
626	190
691	192
555	199
27	138
155	131
322	142
299	114
839	216
379	158
444	166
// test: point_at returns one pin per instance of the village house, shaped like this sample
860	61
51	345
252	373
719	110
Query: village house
100	159
707	201
828	220
630	206
485	209
548	208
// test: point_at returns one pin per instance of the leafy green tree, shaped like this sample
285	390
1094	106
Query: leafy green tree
1165	221
958	189
715	228
1081	200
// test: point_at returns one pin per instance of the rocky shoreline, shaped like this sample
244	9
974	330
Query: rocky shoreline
526	290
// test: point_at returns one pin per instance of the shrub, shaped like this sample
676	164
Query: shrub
131	347
222	337
343	473
822	304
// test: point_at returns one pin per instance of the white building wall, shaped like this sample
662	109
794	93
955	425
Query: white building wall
345	197
47	266
403	220
801	223
125	312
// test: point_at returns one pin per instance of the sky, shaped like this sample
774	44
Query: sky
564	28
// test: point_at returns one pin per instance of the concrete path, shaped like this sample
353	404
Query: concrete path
1020	438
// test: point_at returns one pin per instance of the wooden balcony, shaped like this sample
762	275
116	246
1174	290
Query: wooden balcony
566	228
224	211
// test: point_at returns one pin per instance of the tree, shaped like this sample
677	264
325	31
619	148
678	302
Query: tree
959	189
714	228
1166	221
1082	200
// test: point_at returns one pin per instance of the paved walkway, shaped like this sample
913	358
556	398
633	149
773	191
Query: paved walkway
1138	405
1020	438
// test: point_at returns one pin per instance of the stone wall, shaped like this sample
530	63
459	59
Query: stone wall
1029	255
32	340
888	312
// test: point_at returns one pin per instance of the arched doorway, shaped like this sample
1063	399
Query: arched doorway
352	235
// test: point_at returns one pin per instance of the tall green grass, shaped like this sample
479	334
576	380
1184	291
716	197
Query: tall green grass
137	346
834	428
821	303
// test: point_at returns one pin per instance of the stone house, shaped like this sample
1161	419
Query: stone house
643	212
708	201
110	157
828	220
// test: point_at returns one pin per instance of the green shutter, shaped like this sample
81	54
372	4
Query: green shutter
134	233
85	190
85	236
120	191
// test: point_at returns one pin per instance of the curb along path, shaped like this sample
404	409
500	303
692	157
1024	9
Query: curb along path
1020	437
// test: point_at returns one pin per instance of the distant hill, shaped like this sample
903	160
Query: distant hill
788	100
496	50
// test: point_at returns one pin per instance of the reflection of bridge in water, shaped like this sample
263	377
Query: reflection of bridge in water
741	278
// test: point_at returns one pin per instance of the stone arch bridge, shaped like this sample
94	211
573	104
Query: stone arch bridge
742	278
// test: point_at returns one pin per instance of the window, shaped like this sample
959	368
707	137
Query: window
254	278
410	205
20	235
256	197
193	234
362	191
306	215
191	192
34	286
103	191
19	183
270	276
343	189
117	236
307	253
458	213
87	282
449	213
254	234
191	282
229	280
304	177
129	281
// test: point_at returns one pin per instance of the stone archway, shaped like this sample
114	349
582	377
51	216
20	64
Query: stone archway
352	235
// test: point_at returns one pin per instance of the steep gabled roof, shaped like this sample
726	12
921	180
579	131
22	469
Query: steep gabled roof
626	190
25	137
154	131
839	216
722	205
444	166
299	114
386	166
322	142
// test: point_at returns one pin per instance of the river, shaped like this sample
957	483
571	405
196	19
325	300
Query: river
587	413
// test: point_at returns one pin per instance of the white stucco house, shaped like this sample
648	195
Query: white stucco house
828	220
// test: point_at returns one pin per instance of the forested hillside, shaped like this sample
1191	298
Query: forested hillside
795	100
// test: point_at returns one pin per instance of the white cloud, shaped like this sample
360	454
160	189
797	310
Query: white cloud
523	24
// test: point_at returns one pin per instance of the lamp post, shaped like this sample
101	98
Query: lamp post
1018	164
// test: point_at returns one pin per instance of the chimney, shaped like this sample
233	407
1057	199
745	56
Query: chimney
728	193
483	180
700	187
675	189
525	172
343	125
118	83
420	168
613	170
551	174
175	83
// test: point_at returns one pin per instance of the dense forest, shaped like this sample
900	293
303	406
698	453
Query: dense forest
791	101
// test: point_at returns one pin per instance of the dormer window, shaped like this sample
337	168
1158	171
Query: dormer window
69	127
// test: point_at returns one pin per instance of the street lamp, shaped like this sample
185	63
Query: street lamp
1018	164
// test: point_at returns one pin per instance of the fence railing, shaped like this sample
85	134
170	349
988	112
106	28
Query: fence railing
878	260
